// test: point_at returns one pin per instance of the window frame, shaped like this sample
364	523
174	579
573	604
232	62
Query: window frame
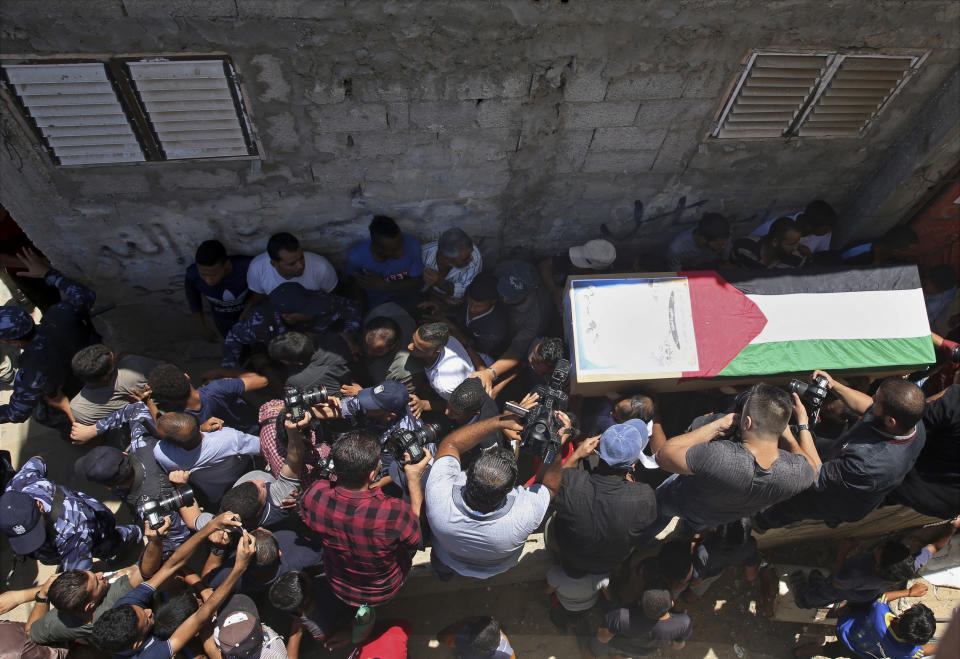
835	58
128	97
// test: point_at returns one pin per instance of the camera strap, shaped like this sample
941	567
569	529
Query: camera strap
56	508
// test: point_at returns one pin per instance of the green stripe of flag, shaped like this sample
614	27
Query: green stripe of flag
827	354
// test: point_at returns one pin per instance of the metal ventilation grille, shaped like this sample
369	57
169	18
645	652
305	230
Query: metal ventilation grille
77	112
854	95
191	108
770	95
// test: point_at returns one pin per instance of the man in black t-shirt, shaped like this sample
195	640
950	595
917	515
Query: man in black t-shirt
643	627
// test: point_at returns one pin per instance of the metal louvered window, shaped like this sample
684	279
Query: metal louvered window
812	94
134	110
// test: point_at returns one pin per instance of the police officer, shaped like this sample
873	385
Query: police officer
293	307
134	477
57	525
47	348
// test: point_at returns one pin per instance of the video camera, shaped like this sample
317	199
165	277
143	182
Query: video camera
297	402
541	427
154	510
811	395
402	441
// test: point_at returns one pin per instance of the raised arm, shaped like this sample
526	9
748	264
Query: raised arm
72	293
673	456
857	401
465	438
187	549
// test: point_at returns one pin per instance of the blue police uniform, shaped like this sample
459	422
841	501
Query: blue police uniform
45	361
84	529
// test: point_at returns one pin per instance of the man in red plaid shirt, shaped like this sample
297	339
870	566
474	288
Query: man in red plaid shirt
368	538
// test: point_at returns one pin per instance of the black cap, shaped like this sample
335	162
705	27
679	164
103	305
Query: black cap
104	464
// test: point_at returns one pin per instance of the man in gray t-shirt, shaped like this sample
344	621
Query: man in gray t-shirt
718	480
61	626
109	383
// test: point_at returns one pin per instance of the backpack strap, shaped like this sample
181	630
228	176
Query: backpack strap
56	508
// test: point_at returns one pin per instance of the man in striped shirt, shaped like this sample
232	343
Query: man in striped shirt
449	265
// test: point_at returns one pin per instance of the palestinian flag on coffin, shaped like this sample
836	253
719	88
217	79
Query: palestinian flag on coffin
758	323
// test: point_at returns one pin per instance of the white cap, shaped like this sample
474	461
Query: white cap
595	255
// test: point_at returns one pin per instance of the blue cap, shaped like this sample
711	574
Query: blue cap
291	297
21	522
389	395
103	464
621	445
517	282
14	323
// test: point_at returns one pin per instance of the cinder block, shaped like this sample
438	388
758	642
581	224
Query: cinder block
627	139
349	117
289	9
498	114
398	116
442	116
644	86
482	145
585	85
370	89
597	115
390	143
324	93
617	162
487	85
572	149
199	179
190	8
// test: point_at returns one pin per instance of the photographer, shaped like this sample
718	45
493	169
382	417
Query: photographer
875	457
734	466
480	519
133	477
302	365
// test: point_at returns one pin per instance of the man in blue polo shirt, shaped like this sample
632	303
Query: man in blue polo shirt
222	280
388	267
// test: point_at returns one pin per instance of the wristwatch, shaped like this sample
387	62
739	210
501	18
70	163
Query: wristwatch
803	426
40	599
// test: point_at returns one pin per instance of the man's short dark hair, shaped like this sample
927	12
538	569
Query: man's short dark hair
483	288
896	562
899	237
355	455
179	428
731	534
383	228
453	242
484	635
674	561
168	383
943	277
713	226
282	242
656	599
781	227
917	624
468	396
289	591
769	408
490	479
171	614
211	252
116	630
383	328
904	401
291	347
641	407
244	500
268	549
819	213
436	334
93	363
550	351
69	592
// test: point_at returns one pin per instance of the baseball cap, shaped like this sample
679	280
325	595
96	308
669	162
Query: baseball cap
594	255
388	395
291	297
103	464
517	282
239	634
21	522
622	444
14	323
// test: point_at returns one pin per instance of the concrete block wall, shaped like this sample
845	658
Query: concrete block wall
533	125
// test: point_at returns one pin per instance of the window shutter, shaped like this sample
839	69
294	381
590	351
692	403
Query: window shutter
854	95
75	108
770	94
192	108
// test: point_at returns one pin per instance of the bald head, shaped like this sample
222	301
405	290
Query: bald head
902	401
179	428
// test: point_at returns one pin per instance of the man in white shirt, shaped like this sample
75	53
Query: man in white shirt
285	261
450	264
446	360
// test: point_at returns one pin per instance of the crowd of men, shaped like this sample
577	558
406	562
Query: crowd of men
357	417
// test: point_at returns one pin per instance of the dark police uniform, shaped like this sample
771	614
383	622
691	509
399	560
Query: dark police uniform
45	361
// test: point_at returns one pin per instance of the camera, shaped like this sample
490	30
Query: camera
811	395
154	510
541	427
402	441
297	402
